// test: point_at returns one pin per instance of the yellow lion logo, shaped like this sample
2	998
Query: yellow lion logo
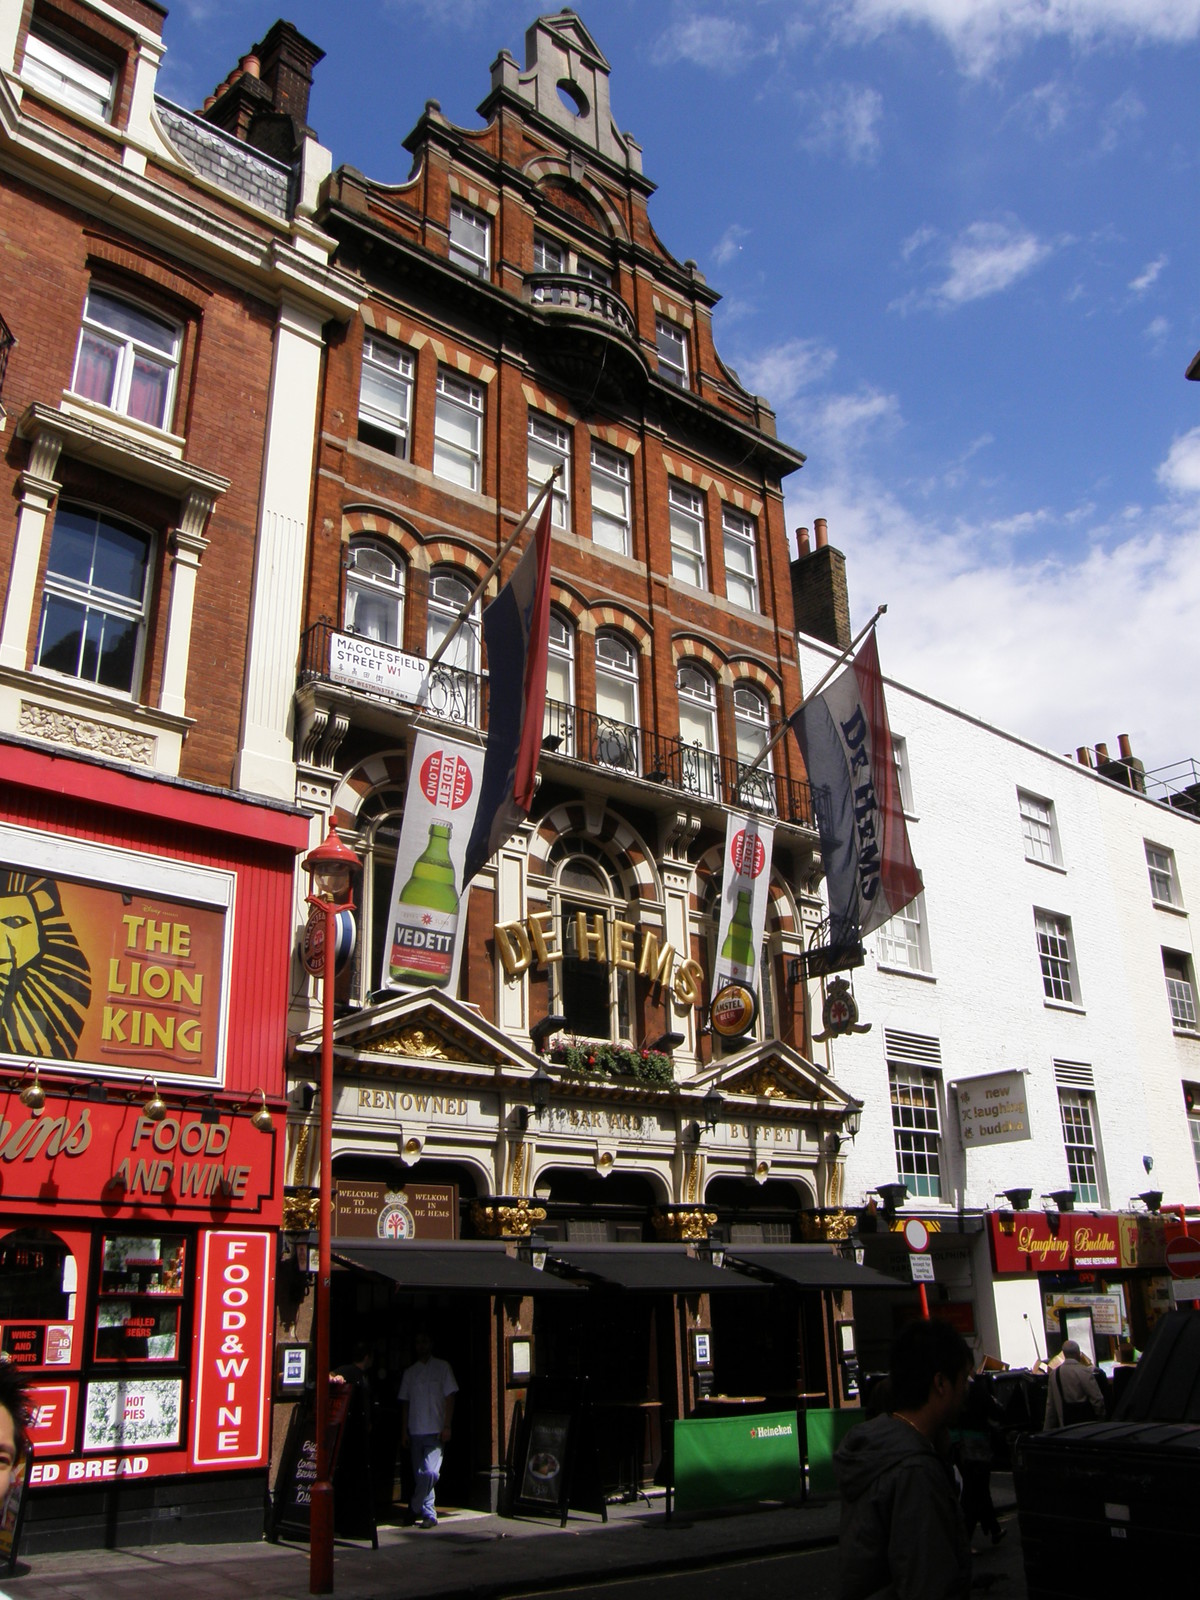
45	979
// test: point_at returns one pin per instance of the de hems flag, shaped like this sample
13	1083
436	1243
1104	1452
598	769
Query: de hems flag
847	746
516	627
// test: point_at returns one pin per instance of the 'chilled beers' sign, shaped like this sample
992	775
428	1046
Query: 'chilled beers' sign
424	946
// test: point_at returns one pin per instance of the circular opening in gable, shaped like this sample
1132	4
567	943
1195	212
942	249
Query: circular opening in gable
573	97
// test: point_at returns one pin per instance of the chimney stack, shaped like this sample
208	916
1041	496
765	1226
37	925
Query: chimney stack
819	593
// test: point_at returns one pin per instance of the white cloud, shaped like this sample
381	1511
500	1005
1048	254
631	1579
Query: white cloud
1180	472
1126	110
1156	331
783	371
988	257
917	241
1043	110
982	32
1148	275
729	244
841	117
719	43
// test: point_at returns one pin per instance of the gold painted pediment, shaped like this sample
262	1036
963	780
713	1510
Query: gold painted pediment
775	1077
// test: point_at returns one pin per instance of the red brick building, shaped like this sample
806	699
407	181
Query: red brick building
163	293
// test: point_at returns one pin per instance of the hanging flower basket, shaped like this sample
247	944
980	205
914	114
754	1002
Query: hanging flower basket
585	1058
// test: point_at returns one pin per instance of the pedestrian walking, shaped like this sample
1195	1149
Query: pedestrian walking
427	1392
1073	1394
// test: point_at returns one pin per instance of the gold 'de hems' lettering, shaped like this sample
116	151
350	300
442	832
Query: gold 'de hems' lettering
522	945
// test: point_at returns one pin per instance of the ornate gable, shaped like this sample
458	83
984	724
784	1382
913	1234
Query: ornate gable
774	1071
422	1030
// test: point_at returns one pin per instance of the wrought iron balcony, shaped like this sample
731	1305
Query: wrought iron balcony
451	693
564	291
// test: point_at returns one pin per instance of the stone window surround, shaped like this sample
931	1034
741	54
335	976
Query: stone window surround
49	707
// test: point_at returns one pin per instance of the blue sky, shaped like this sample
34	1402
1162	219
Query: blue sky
958	248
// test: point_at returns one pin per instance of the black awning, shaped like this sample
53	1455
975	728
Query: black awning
467	1265
812	1267
664	1267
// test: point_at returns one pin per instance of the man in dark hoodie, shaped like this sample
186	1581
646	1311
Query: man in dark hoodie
902	1533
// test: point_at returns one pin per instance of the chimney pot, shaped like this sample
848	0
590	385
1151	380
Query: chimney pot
802	543
1083	755
821	529
1125	747
250	65
1101	752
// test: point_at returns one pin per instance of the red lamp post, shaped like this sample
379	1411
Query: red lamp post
329	867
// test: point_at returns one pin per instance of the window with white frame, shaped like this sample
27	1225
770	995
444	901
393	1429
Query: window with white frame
903	772
93	620
741	568
588	989
385	395
1037	827
687	534
610	500
1181	989
616	741
127	359
470	236
1191	1103
552	255
916	1127
559	721
752	731
454	682
549	446
549	255
375	593
458	429
671	342
62	66
700	762
902	941
1057	958
1164	884
1077	1108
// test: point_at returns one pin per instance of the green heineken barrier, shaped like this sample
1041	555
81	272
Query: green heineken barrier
722	1461
825	1431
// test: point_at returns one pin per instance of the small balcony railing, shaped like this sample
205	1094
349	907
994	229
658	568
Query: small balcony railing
451	693
565	292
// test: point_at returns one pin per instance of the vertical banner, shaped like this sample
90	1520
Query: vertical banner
745	884
230	1409
424	933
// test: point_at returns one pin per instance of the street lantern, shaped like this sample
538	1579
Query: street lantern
714	1108
329	867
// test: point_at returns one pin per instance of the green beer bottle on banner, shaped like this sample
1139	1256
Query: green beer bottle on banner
738	948
426	916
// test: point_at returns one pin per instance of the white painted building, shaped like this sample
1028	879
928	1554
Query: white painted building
1054	939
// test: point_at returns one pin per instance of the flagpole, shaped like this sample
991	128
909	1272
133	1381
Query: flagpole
787	721
495	567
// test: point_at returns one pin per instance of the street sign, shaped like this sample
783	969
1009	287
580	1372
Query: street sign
922	1268
1183	1257
916	1235
1185	1290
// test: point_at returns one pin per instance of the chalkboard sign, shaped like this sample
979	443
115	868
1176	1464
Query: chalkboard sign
298	1465
12	1509
545	1480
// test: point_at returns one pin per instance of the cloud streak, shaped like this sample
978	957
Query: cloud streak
841	119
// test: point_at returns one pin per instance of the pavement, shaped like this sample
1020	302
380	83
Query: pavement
470	1555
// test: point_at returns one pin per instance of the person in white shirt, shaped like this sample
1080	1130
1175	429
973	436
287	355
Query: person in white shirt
427	1392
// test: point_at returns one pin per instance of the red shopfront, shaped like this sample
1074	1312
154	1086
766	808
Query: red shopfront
141	1103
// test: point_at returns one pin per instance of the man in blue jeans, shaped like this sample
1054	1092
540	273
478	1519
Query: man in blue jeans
427	1392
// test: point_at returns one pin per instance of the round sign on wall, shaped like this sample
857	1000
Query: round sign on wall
916	1235
1183	1257
733	1010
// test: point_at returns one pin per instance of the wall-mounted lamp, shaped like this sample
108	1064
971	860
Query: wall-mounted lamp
261	1118
533	1251
852	1121
893	1196
542	1030
1018	1199
712	1251
539	1089
714	1109
155	1108
33	1096
1064	1199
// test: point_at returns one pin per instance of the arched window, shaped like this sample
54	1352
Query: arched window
454	682
589	989
560	684
752	729
375	593
616	741
698	731
94	602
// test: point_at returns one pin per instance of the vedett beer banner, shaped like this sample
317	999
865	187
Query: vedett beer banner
107	961
744	888
847	745
424	938
232	1350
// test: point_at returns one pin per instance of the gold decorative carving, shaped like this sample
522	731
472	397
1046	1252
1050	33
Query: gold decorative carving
761	1083
300	1157
418	1043
831	1225
687	1227
81	733
301	1211
517	1170
691	1187
511	1218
